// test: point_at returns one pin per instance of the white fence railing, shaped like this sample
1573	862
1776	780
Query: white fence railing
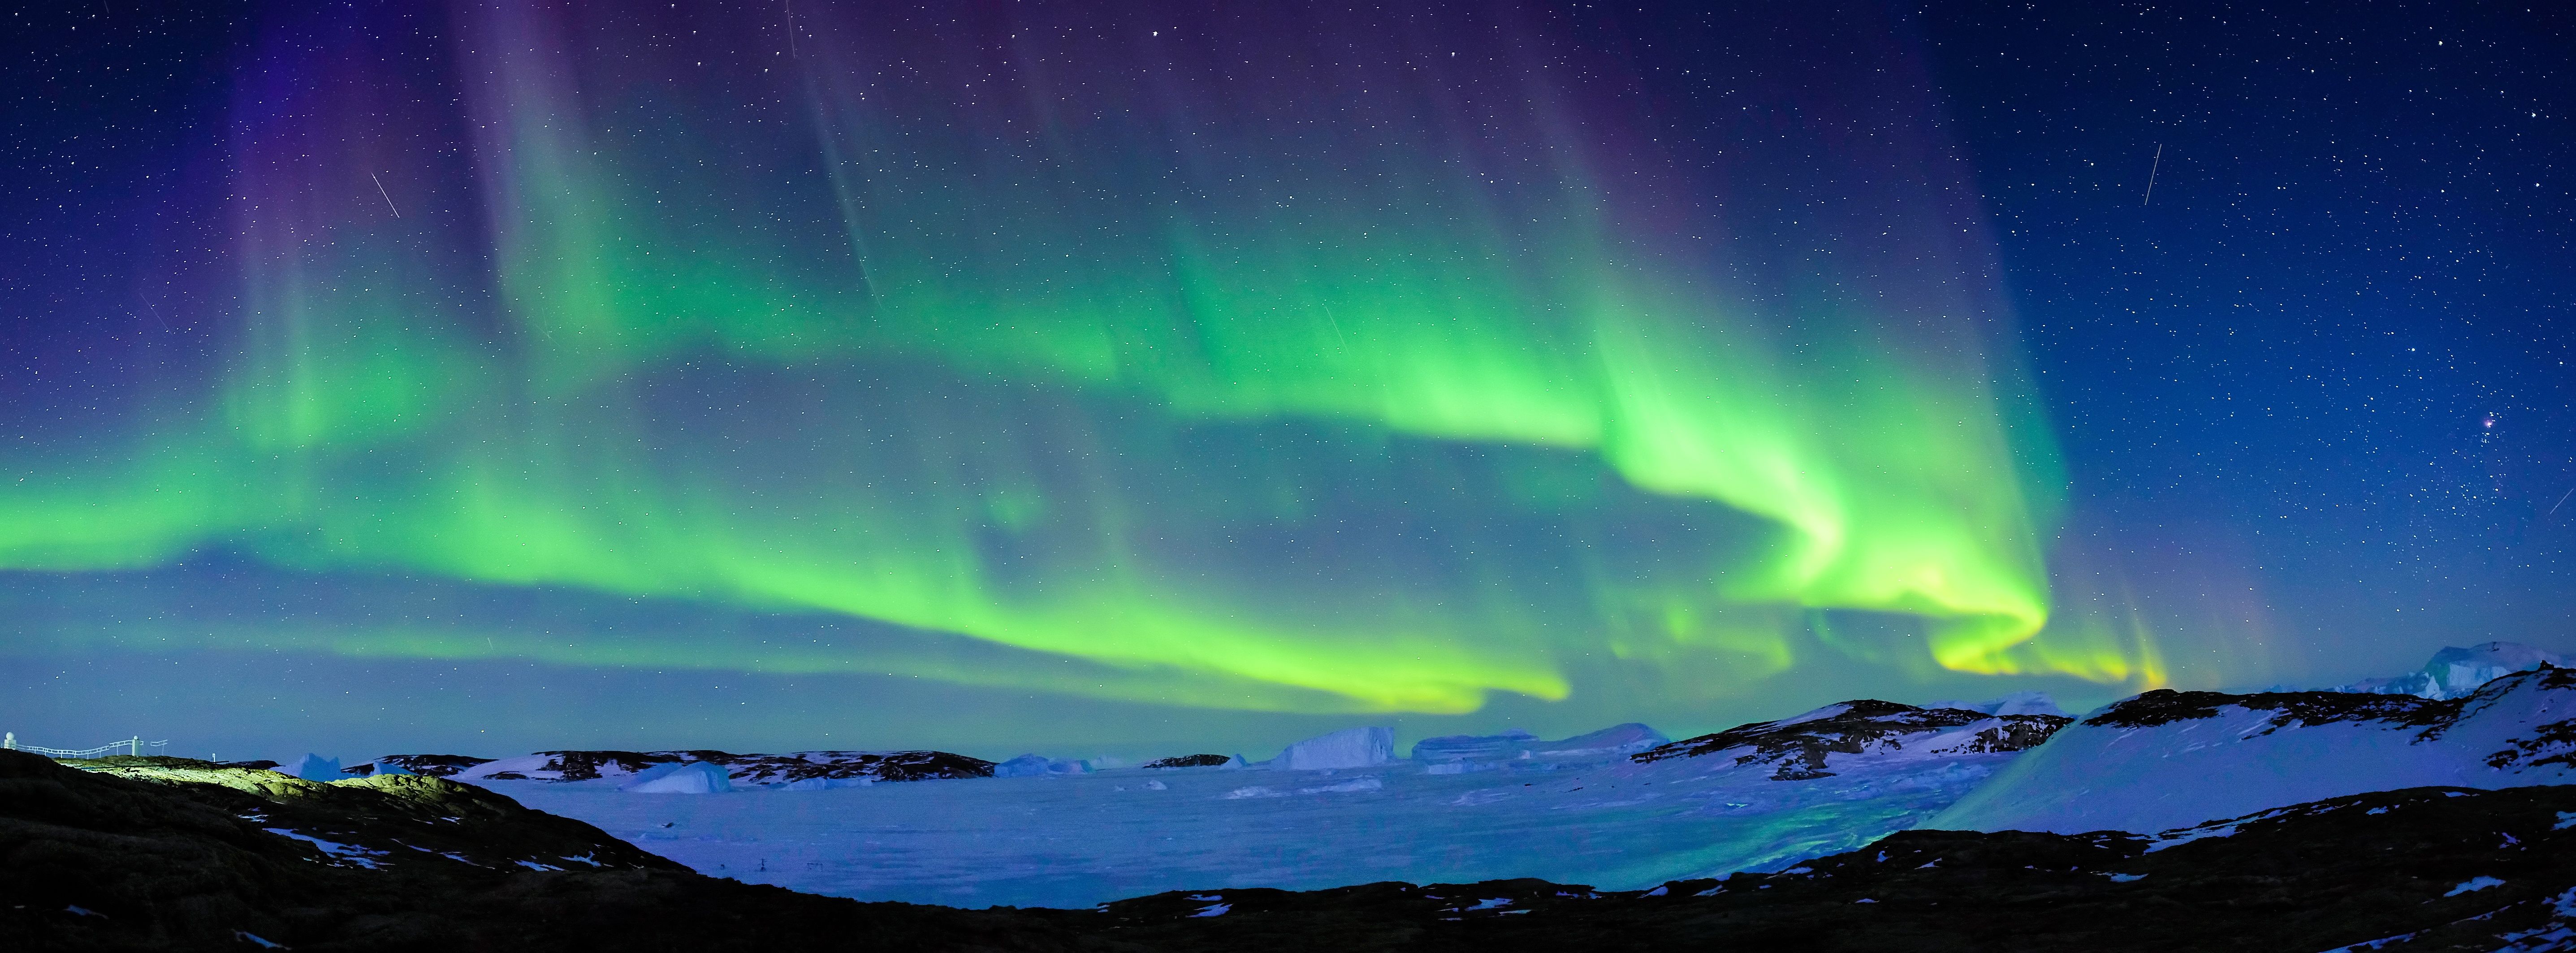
133	746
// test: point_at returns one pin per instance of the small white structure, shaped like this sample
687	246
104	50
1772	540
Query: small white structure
693	777
1347	748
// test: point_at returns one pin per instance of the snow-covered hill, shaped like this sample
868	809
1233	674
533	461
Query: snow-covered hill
2170	759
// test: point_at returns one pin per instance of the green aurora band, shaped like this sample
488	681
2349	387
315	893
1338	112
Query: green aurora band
1377	365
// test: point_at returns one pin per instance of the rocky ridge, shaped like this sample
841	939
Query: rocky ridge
1189	761
1800	748
743	769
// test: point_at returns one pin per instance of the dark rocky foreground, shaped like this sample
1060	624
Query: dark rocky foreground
153	853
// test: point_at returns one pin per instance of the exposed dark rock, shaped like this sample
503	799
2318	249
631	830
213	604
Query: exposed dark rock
2165	706
1799	747
585	765
2559	735
748	769
429	765
883	766
1189	761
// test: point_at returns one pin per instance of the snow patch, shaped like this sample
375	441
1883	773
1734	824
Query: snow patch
351	853
2473	885
1361	784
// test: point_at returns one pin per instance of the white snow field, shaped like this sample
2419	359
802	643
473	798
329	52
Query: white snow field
1576	811
2168	760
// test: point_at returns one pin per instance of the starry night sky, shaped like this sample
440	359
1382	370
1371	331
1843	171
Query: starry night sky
2302	415
2327	366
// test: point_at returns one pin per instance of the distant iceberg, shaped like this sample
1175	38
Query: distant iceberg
2017	703
1463	754
314	767
1629	738
1452	748
1030	766
2456	671
1347	748
694	777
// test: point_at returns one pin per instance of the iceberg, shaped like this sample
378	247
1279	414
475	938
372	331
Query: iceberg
2454	671
314	767
2017	703
1347	748
1629	738
1462	754
1455	748
694	777
1024	766
1030	766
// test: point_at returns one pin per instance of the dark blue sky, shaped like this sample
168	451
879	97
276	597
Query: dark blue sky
2312	397
2328	360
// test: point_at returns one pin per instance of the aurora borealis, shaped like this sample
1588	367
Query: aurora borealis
1285	358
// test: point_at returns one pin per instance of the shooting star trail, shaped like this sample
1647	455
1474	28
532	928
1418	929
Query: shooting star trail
2562	501
2151	174
790	7
380	190
156	312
